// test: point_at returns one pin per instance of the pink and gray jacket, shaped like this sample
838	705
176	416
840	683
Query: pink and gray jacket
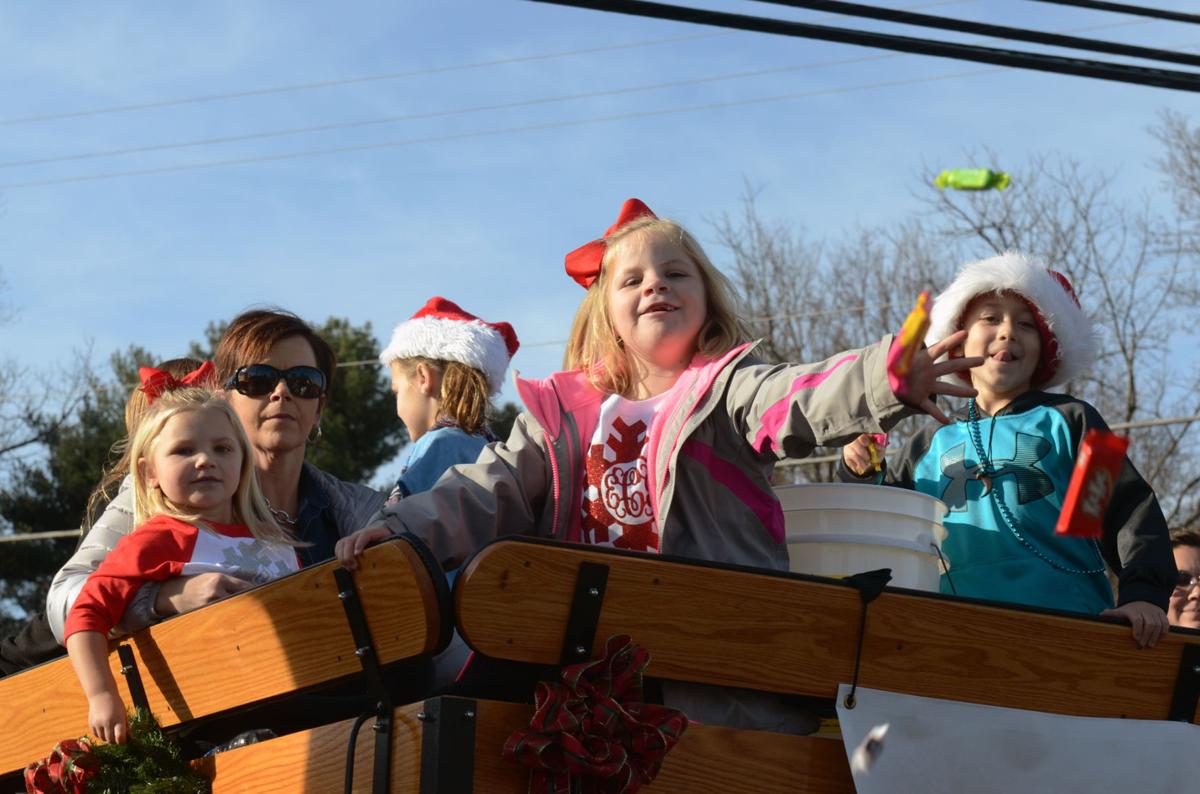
711	450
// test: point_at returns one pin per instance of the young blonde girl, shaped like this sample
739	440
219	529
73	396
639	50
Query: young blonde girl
198	508
663	432
109	515
446	364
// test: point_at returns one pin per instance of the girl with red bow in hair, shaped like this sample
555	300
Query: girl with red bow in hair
198	509
662	434
109	515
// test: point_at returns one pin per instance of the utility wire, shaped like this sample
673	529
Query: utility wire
1123	8
488	133
268	134
284	89
438	113
1101	70
994	31
385	76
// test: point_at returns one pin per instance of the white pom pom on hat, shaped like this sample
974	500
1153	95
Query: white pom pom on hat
443	331
1069	344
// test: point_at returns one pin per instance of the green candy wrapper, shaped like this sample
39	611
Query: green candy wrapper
972	179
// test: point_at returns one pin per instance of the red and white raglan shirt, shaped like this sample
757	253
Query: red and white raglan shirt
616	495
163	548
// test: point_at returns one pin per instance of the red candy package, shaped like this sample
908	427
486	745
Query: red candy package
1096	471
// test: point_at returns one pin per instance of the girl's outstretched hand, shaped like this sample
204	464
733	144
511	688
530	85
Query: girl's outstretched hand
924	375
348	549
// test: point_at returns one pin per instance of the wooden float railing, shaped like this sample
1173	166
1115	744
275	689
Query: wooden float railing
288	635
797	634
545	603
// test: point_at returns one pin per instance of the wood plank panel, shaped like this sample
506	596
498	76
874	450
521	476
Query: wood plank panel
315	760
790	634
707	758
282	636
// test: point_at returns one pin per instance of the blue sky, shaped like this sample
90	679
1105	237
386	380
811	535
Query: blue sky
481	217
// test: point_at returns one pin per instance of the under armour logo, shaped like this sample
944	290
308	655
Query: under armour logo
1032	482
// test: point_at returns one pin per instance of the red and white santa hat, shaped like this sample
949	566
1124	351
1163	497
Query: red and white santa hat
443	331
1069	342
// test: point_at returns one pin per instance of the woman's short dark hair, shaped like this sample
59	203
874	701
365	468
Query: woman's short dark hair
1185	537
252	334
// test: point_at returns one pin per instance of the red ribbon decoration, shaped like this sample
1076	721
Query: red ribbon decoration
583	264
156	382
594	729
68	768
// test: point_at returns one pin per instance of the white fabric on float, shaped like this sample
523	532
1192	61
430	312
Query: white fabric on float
946	747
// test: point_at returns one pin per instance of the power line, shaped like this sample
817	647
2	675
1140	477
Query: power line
1122	8
995	31
284	89
1102	70
440	113
268	134
385	76
487	133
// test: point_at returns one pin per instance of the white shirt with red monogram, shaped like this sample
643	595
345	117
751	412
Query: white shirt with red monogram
616	497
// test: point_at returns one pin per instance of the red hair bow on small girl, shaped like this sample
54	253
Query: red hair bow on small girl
156	382
583	264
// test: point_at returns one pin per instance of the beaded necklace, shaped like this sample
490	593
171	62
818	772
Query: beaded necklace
985	475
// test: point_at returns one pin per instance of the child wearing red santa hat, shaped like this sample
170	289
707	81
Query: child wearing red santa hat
446	364
1004	465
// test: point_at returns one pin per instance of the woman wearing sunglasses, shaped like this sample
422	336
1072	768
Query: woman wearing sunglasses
276	372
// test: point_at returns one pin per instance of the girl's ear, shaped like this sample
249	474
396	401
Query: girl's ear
146	472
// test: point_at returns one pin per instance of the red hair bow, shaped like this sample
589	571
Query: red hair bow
156	382
583	264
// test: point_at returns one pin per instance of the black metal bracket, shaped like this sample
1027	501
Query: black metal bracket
584	617
447	745
1187	686
870	585
133	678
364	649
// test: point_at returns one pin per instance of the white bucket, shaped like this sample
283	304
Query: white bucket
838	529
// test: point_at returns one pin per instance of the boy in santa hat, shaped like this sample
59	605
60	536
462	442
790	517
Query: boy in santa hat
1004	465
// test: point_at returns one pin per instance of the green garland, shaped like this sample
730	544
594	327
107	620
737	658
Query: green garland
149	763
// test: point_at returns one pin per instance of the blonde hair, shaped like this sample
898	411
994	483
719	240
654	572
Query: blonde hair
593	345
249	505
135	408
464	394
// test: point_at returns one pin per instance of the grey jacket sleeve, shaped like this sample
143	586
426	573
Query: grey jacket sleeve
504	492
787	409
115	523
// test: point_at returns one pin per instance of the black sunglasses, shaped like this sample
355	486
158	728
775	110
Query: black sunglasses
258	380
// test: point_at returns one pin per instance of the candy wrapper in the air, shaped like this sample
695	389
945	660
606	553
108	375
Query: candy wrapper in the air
906	344
972	179
1096	470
